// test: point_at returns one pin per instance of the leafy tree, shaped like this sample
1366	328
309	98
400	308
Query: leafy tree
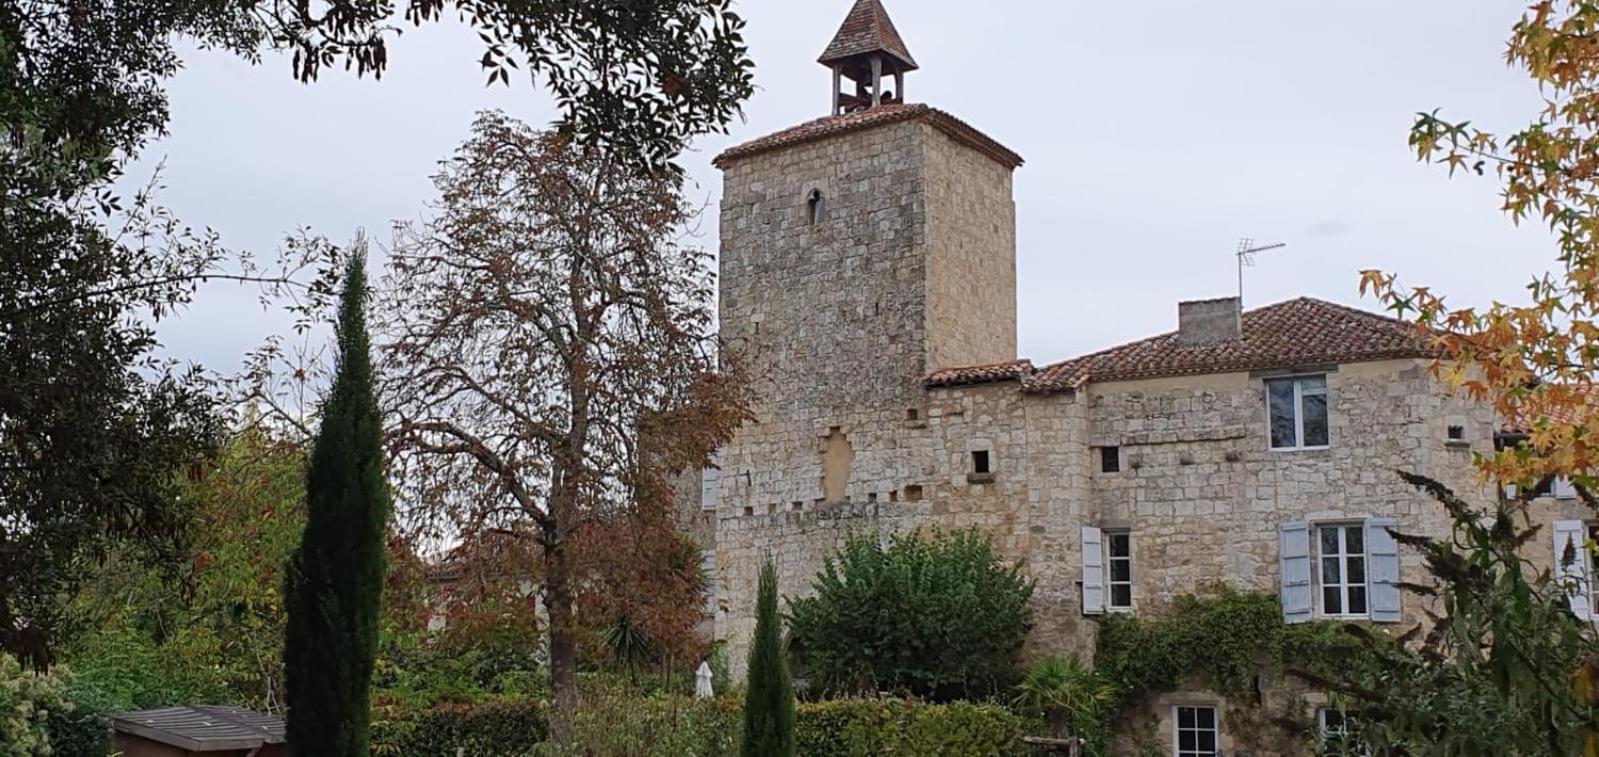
1534	363
933	614
334	582
768	692
91	427
539	323
1505	658
209	625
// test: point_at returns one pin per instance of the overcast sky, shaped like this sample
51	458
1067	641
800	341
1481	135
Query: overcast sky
1156	135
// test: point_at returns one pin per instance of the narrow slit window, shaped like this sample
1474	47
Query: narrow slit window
815	207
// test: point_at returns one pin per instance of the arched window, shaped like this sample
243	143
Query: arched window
815	207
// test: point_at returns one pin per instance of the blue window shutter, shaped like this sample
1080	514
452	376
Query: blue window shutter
1294	561
1382	570
1093	571
1570	538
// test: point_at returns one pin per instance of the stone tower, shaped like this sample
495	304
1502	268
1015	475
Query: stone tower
859	253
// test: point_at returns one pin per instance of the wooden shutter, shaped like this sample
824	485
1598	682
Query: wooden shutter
1382	571
1294	561
1093	571
709	478
1564	489
1570	536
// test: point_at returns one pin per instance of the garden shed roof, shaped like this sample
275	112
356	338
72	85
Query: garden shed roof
199	728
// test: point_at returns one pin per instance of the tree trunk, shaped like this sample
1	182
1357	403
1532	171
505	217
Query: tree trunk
558	602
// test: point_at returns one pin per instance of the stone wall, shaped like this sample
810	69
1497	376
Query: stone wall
971	271
833	316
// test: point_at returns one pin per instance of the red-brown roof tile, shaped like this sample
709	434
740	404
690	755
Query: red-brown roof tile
1298	332
867	29
881	115
1013	370
1301	332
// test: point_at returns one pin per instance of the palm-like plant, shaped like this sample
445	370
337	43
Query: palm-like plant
628	643
1070	695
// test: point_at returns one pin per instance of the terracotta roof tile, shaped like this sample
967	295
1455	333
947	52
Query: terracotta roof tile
881	115
868	29
1014	370
1298	332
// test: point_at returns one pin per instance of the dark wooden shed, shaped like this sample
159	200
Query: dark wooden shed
198	730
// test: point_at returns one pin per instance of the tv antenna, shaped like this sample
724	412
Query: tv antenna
1247	250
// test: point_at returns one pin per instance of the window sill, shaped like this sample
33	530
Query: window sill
1322	448
1119	610
1457	444
979	478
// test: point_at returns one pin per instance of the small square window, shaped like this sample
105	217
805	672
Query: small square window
1195	731
1337	734
1110	459
1297	412
1457	433
980	461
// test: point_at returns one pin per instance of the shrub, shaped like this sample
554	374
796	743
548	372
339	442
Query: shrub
933	614
487	728
38	717
895	727
616	721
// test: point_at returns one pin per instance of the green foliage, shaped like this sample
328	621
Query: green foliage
769	693
1507	657
896	727
124	669
1074	698
933	614
486	728
616	719
1226	639
334	583
208	628
38	715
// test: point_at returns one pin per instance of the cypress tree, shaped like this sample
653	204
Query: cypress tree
334	581
769	694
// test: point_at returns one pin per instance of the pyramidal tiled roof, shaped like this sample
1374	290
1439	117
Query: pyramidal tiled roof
868	29
1295	333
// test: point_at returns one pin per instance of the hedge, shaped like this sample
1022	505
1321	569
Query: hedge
894	727
488	728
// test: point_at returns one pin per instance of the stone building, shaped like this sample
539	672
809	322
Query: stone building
868	274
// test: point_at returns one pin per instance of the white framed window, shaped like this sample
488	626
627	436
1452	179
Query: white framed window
1194	731
1296	410
1341	549
1336	731
1119	557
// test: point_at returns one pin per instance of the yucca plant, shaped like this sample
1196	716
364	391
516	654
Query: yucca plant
1072	697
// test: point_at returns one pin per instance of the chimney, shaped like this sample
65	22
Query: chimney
1208	321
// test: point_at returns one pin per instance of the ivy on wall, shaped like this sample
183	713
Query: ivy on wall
1227	640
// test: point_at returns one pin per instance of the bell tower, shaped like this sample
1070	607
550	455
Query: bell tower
860	252
866	49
